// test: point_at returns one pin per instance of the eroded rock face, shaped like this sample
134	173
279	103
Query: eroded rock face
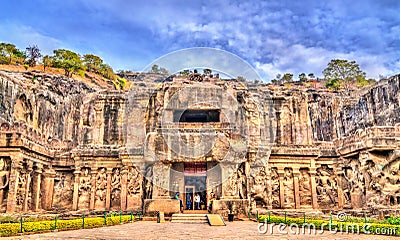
68	145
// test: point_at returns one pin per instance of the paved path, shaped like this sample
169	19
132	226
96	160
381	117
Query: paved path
168	230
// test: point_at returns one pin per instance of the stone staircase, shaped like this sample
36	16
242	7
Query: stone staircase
189	218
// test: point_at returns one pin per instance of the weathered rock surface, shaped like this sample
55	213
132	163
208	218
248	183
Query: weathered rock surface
86	147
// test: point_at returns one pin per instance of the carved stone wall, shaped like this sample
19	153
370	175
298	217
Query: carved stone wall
65	144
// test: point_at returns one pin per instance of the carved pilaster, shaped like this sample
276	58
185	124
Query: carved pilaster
48	186
281	173
296	175
75	198
124	182
314	198
28	185
93	174
108	191
37	180
16	167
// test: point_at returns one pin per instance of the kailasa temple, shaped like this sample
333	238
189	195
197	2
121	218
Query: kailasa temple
69	146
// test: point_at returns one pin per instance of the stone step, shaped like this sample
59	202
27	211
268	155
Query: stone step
189	218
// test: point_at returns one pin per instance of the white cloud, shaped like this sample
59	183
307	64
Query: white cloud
23	36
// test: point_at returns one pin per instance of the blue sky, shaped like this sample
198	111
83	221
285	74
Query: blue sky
272	36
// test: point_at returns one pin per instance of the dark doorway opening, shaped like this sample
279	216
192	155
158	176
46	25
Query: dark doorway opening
191	115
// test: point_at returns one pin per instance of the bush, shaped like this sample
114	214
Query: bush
40	226
370	228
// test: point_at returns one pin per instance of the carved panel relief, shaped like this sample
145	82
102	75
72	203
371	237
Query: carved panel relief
101	189
84	189
275	188
288	188
326	187
305	187
258	193
149	183
4	181
134	188
63	190
116	188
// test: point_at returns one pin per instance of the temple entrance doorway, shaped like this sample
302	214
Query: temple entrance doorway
195	184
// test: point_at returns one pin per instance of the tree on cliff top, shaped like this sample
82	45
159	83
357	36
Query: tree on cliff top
33	54
69	61
343	72
10	54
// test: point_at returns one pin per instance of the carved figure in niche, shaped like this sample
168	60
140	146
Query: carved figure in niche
347	182
4	179
149	184
288	187
258	189
367	170
63	190
241	181
116	187
134	181
232	185
326	185
101	185
84	188
275	187
160	180
21	187
305	187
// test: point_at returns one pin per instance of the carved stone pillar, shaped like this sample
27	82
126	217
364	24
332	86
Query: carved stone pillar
314	198
75	198
281	173
37	181
341	199
296	174
108	192
16	167
124	182
93	174
48	187
28	187
269	187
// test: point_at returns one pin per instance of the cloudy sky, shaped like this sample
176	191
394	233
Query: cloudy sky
272	36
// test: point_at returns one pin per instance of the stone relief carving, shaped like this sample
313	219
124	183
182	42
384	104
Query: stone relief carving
63	190
242	183
288	188
326	186
275	188
4	180
116	188
135	181
85	186
21	187
305	187
101	188
258	192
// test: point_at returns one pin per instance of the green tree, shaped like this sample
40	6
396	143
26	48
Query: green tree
345	71
156	69
302	77
10	54
311	75
241	79
33	55
107	72
92	63
47	62
69	61
287	77
333	84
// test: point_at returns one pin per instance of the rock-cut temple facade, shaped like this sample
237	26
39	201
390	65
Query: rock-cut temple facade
71	146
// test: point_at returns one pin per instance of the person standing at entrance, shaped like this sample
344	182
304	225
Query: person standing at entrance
188	201
197	201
